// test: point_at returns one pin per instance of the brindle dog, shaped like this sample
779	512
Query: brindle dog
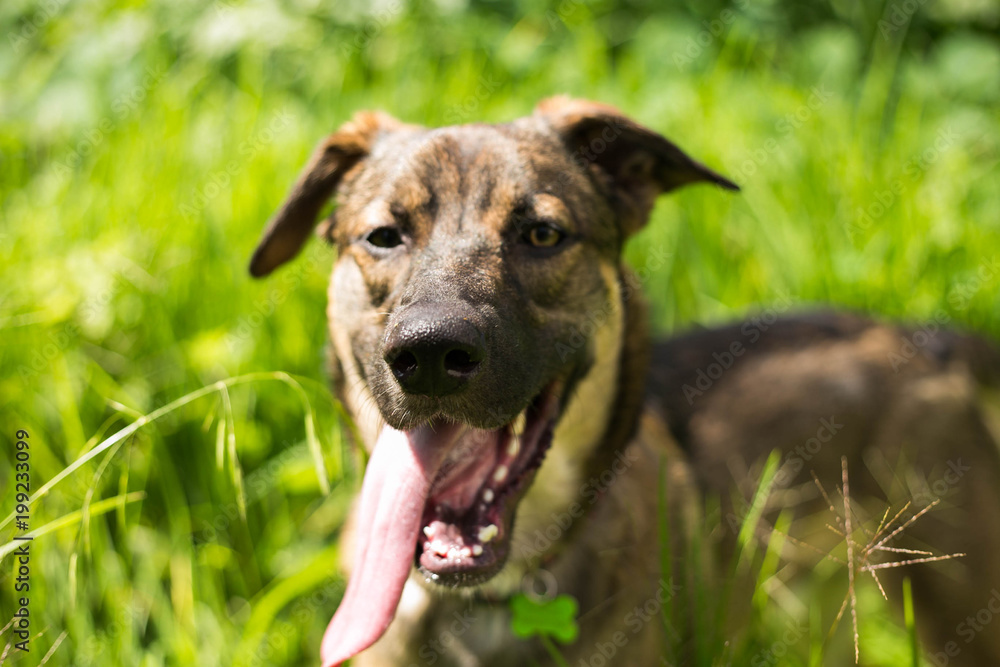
493	350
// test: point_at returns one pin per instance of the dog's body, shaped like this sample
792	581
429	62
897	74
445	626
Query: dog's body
481	321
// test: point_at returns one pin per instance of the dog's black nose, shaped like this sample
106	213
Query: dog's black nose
433	351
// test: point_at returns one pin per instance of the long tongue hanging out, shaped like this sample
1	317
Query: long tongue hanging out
393	494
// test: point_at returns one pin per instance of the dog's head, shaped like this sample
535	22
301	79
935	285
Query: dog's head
477	271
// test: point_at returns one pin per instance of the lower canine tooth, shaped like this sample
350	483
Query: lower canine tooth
477	550
488	495
500	474
487	533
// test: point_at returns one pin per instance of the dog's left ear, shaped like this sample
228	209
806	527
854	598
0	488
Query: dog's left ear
334	156
635	163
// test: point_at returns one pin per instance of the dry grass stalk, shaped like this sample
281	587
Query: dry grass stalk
860	557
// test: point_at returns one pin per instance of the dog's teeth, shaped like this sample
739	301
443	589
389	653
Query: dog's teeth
477	550
465	552
514	446
487	533
488	495
500	474
519	422
427	531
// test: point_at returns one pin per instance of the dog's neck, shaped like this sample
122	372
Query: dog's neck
633	365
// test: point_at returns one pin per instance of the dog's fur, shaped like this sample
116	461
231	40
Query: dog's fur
637	417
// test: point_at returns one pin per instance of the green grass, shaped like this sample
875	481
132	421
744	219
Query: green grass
126	229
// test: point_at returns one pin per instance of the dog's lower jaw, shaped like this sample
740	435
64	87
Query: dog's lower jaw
470	510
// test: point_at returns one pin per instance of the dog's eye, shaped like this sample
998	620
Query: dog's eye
544	235
384	237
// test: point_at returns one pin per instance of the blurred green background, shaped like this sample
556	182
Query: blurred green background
143	145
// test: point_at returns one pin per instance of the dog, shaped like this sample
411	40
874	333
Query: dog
493	351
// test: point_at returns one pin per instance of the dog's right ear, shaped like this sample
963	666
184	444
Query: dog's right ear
288	230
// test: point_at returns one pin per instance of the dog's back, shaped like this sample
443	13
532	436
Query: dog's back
909	408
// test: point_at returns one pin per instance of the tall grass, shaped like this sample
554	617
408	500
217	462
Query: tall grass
142	148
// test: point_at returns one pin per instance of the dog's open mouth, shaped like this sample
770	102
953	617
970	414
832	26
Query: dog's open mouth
441	496
468	515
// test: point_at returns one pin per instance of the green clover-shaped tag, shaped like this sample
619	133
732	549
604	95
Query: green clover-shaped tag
555	618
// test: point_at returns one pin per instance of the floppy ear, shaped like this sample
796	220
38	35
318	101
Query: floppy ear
290	227
635	163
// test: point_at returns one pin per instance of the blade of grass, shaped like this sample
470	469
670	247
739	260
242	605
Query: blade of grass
236	471
277	595
314	445
746	540
553	651
668	612
910	620
220	442
94	483
73	517
151	417
772	558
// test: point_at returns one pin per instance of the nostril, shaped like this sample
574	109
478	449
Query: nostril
404	365
459	363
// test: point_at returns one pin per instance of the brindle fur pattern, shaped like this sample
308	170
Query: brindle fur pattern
462	197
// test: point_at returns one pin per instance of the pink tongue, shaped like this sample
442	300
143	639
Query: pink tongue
393	495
